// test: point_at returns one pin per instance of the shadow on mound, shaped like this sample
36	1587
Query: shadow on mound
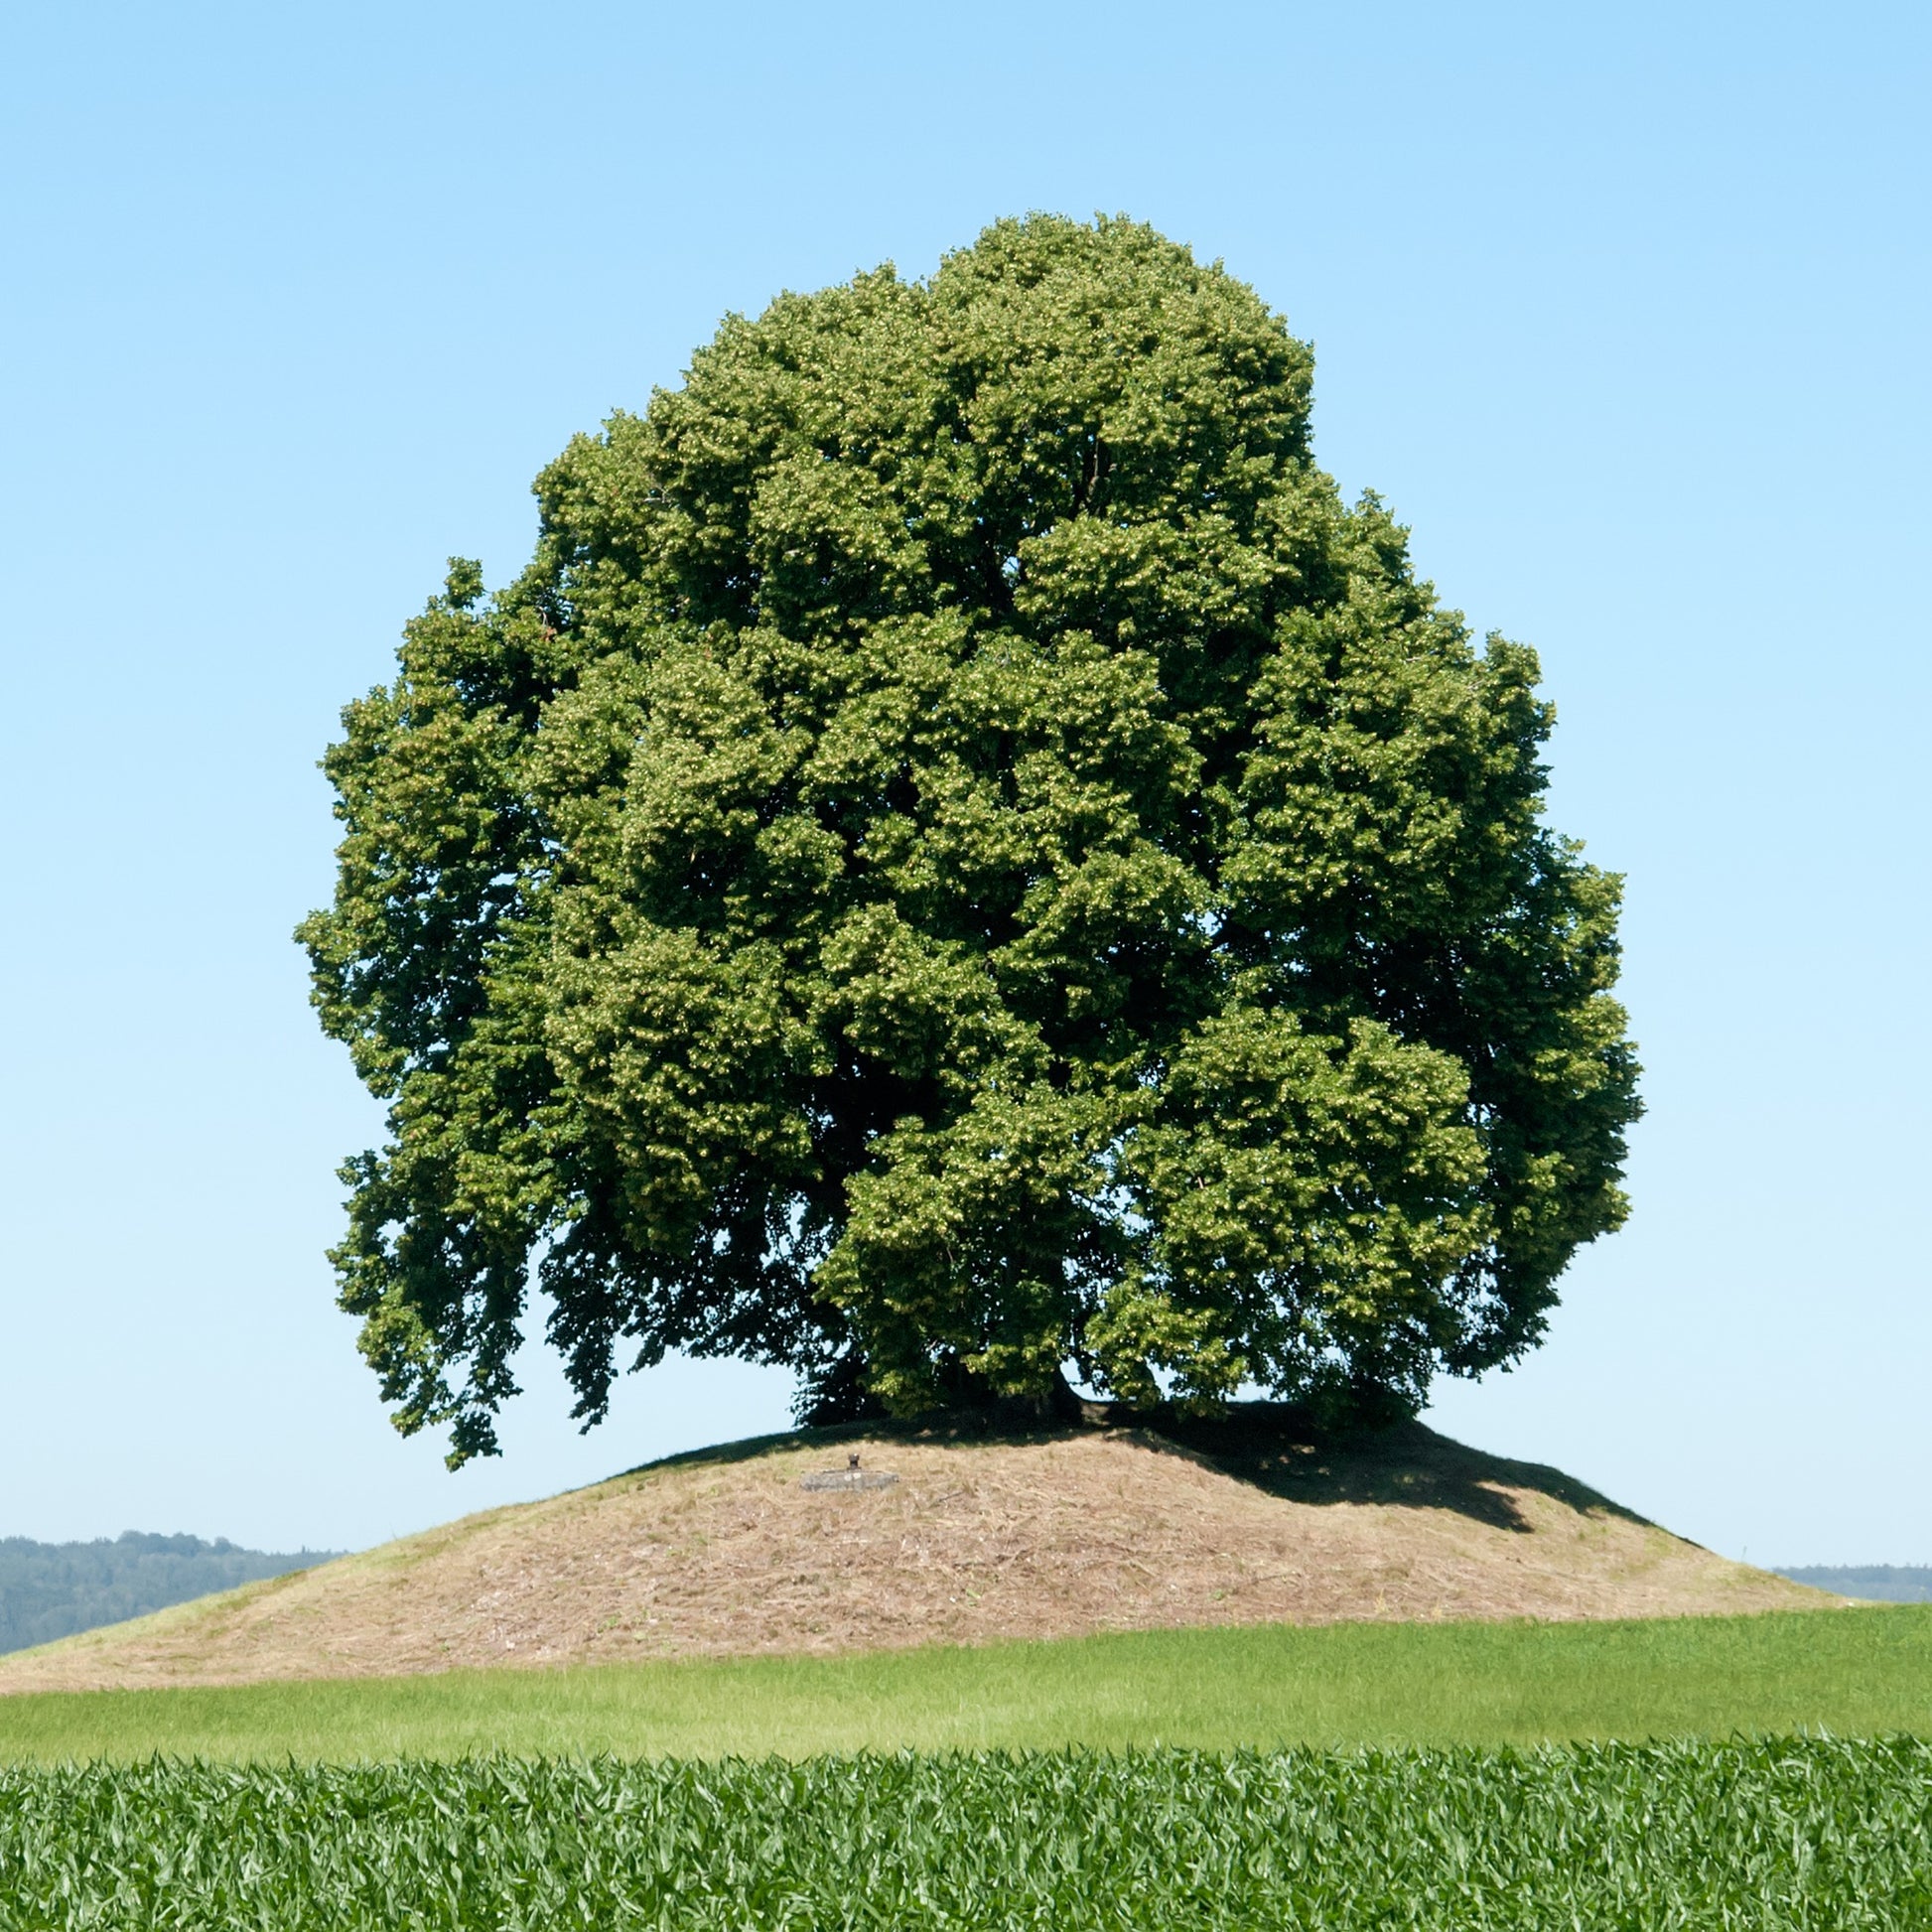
1272	1445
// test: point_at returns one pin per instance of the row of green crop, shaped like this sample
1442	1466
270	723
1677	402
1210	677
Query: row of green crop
1786	1833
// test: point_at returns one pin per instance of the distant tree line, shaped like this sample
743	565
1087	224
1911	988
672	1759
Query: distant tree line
53	1589
1877	1582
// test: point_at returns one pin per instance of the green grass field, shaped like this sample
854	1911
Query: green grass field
1359	1776
1862	1672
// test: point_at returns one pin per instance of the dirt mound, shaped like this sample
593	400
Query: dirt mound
983	1536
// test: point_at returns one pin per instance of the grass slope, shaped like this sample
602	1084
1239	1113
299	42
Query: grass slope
1857	1672
984	1538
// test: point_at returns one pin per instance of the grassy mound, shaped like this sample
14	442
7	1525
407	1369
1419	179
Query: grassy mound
985	1537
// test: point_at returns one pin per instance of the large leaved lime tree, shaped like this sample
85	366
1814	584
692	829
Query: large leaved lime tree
962	863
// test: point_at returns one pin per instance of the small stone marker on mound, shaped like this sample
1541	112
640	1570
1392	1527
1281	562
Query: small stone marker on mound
848	1477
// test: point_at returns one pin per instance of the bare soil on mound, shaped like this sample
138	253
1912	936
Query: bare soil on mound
1052	1532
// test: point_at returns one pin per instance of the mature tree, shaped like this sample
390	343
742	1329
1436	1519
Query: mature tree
962	857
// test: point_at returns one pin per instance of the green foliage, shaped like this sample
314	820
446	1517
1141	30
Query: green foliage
1787	1834
52	1589
962	856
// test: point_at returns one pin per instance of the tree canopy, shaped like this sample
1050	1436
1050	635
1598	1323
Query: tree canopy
963	860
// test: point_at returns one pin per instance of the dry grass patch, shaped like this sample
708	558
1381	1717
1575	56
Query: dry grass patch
1052	1533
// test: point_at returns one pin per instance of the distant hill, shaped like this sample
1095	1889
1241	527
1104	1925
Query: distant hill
954	1533
1877	1583
53	1589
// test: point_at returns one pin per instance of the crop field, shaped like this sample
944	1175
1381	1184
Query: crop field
1784	1832
1678	1773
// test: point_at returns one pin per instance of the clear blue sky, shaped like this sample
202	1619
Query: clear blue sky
1625	310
